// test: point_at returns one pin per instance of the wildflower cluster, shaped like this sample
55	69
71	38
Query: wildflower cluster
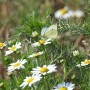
49	49
41	70
66	13
36	73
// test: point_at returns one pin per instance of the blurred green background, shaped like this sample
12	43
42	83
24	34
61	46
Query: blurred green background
14	12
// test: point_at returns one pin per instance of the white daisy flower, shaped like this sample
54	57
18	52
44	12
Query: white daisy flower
17	65
35	54
65	86
13	48
34	34
75	53
31	80
41	42
63	13
2	45
84	63
44	70
78	13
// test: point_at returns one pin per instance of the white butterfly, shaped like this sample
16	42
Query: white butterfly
50	32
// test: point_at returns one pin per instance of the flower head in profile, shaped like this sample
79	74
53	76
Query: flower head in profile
17	65
78	13
1	84
65	86
75	53
31	80
63	13
35	54
44	69
84	63
41	42
2	45
13	48
34	34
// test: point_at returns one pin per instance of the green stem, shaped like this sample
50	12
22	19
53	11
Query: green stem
13	82
33	87
45	54
64	70
37	61
47	84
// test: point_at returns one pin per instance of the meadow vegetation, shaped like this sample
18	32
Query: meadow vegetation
31	61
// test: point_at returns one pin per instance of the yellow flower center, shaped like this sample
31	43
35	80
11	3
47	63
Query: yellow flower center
86	62
63	88
41	41
30	80
36	54
43	69
63	11
1	44
16	64
13	48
